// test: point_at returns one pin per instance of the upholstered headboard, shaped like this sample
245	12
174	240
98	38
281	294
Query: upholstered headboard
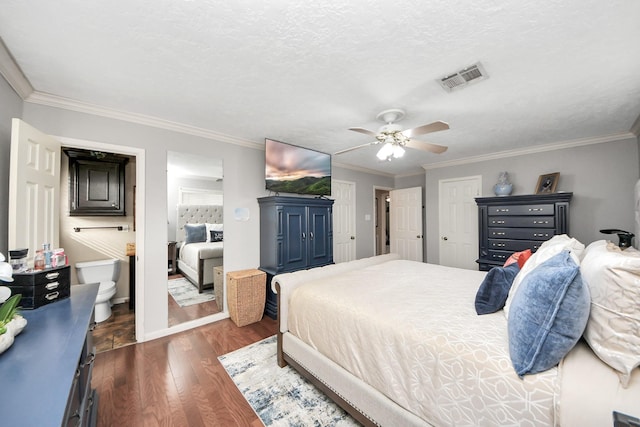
196	214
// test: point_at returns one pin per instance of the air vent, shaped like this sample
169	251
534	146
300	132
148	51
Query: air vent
464	77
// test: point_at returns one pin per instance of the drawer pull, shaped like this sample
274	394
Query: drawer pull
502	210
541	222
52	275
51	296
500	233
540	234
536	209
51	286
89	360
497	222
499	245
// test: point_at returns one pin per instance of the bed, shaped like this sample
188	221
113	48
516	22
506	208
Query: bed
197	253
398	342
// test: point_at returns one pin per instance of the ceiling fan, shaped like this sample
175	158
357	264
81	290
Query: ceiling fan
394	139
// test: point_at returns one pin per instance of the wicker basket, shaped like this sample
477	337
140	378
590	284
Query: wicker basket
246	294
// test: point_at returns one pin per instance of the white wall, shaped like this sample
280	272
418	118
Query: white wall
601	177
10	107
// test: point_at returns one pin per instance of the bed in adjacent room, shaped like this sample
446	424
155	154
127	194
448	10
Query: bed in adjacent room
199	234
398	342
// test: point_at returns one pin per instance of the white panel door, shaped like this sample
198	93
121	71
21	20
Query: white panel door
344	220
405	218
458	225
34	189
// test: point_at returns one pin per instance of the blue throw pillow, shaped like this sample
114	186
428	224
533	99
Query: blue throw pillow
494	289
548	315
195	233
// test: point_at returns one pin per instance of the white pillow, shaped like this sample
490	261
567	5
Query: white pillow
212	227
551	247
613	329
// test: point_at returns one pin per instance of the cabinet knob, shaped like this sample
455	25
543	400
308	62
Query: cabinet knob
353	237
445	238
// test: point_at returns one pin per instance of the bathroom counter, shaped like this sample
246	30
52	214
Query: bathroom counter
39	369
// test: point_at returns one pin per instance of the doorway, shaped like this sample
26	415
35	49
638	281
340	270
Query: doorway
344	220
123	312
382	199
458	224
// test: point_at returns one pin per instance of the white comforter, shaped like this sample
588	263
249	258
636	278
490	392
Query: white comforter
410	330
191	253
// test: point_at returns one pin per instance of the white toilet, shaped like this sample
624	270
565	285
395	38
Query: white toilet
106	272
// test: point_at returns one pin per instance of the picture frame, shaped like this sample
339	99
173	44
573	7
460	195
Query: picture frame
547	183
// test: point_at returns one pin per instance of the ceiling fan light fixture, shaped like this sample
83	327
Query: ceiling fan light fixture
398	151
385	152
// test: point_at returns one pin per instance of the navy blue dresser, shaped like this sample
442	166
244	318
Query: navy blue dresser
46	373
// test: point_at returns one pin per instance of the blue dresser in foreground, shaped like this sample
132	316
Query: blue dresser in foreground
46	373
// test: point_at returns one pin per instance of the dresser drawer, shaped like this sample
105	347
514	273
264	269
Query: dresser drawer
500	256
514	245
522	221
37	297
520	233
521	210
41	287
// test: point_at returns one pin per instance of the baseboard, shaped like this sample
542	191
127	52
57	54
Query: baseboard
120	300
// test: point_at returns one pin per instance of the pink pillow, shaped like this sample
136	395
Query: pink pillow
519	257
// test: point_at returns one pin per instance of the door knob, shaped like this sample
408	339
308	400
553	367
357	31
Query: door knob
353	237
445	238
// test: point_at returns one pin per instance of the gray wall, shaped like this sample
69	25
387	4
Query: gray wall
244	182
365	183
172	198
601	176
10	107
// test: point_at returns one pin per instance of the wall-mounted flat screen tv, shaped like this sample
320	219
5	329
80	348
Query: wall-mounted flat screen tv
297	170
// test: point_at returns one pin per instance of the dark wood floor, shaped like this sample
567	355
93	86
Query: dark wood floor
119	330
179	314
177	380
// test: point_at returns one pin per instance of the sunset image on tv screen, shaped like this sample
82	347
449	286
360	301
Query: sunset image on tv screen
292	169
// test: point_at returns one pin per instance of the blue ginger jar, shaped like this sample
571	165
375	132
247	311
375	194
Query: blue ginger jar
503	187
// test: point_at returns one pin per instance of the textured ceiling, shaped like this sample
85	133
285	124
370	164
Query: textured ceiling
304	72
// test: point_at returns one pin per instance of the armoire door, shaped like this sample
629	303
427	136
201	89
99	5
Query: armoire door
319	240
295	237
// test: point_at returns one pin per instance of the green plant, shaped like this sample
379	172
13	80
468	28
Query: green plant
8	310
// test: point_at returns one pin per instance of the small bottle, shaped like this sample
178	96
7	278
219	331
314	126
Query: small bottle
46	248
39	261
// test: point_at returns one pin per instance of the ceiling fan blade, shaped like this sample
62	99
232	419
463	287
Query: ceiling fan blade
426	146
421	130
365	131
355	148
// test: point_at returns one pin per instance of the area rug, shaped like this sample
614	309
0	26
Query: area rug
280	396
185	293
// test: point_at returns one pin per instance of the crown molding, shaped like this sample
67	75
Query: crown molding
13	74
142	119
361	169
531	150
